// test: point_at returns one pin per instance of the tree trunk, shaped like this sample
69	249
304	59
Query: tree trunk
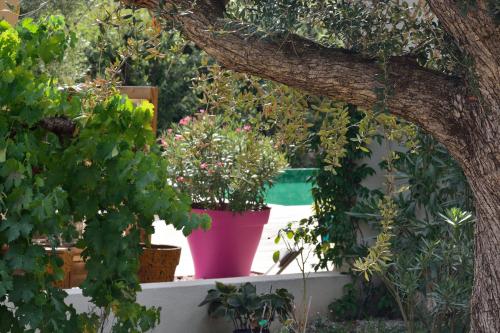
478	35
485	302
481	164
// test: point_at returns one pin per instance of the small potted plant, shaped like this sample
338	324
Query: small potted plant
250	312
224	167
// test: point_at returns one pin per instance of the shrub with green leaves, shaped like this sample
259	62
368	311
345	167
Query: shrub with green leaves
66	159
125	42
247	309
424	255
221	164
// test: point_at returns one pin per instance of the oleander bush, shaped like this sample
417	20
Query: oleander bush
220	164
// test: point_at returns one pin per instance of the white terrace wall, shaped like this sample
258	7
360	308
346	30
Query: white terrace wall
179	300
380	152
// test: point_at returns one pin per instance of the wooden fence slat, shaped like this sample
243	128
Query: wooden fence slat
6	13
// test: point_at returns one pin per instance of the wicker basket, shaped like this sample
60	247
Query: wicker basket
158	263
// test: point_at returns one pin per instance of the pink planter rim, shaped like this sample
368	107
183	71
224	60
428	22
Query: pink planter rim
195	209
251	217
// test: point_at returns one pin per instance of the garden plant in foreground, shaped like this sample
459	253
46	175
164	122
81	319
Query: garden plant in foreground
250	312
69	158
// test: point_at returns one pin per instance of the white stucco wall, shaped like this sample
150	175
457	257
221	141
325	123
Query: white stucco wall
179	300
380	152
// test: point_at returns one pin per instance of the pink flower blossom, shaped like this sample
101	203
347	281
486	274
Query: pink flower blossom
238	130
247	128
202	111
178	137
219	164
169	131
184	121
211	172
163	142
181	179
203	166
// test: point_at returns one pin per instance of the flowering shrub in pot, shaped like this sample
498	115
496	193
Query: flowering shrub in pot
224	167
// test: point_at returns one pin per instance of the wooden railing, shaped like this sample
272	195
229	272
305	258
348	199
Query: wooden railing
9	11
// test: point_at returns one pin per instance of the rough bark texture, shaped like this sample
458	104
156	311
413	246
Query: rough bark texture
467	124
478	36
61	126
485	304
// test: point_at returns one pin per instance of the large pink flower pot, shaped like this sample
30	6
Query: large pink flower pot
227	249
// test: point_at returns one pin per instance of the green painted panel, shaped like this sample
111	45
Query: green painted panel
292	188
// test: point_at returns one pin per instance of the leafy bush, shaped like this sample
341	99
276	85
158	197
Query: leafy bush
428	273
141	52
346	308
247	309
364	299
66	159
221	165
431	279
322	325
426	262
122	41
336	193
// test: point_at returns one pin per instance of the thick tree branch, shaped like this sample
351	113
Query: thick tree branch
419	95
60	125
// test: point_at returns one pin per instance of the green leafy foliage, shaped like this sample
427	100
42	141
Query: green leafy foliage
125	43
336	192
69	159
338	187
139	51
381	29
429	239
247	309
221	165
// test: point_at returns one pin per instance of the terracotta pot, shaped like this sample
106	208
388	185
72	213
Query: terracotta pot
158	263
74	272
228	248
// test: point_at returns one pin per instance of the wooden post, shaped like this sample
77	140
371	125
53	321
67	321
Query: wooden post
140	93
9	11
